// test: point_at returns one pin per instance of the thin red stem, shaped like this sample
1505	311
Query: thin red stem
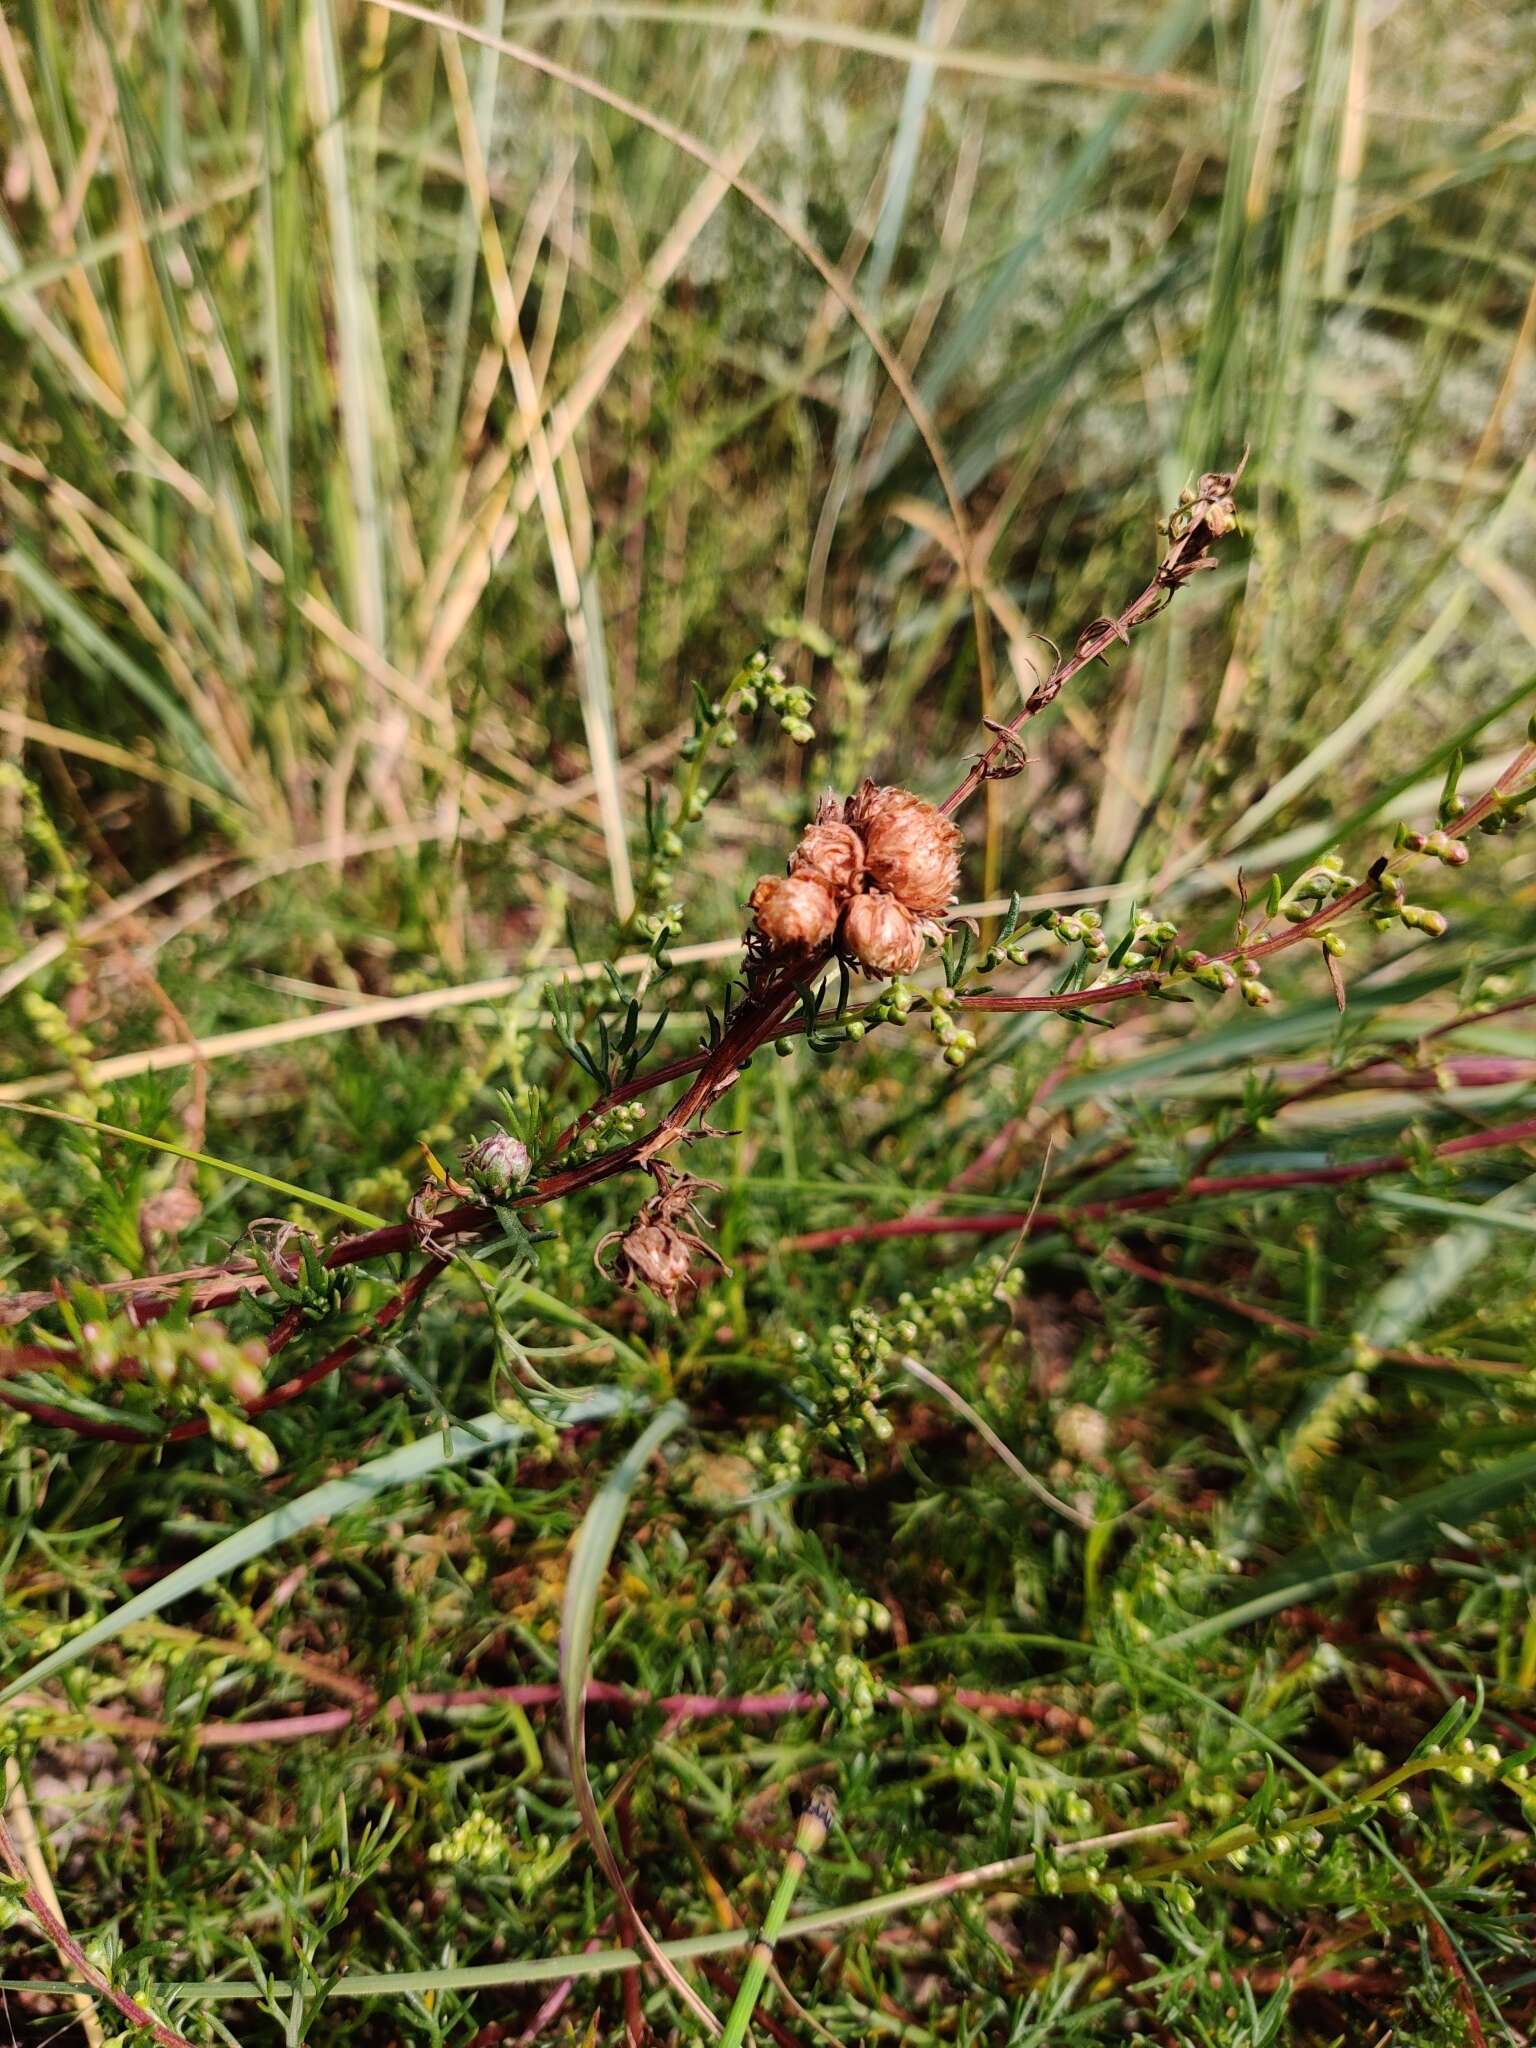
70	1952
1270	1319
1002	1222
681	1707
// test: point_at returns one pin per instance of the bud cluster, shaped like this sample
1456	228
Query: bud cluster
1255	991
666	923
763	682
1388	906
1139	947
1506	811
757	683
1172	1577
958	1044
1451	853
1215	975
184	1360
894	1003
479	1842
191	1364
242	1436
612	1127
843	1375
1083	928
833	1662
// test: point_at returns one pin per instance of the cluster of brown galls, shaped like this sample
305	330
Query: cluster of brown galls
871	877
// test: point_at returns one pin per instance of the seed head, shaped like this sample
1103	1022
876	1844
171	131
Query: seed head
881	935
658	1248
832	853
910	850
657	1254
792	913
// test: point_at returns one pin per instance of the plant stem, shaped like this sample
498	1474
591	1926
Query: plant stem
1198	1188
70	1951
809	1836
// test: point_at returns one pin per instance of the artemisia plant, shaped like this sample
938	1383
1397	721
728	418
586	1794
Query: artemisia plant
869	888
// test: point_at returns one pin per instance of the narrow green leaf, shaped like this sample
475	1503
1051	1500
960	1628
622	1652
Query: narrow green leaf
413	1461
364	1218
590	1558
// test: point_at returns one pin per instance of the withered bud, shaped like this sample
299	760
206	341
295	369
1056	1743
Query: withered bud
169	1212
830	852
1083	1432
497	1165
881	935
656	1248
910	849
1220	516
793	913
658	1255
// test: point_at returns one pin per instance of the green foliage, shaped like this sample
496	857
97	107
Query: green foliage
425	493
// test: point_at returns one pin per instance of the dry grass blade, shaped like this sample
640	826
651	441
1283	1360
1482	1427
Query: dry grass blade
1004	66
995	1444
582	629
690	145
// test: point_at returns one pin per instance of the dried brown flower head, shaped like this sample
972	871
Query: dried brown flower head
881	935
910	849
792	914
658	1255
830	852
656	1249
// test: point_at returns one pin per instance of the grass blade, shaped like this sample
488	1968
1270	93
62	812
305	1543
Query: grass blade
413	1461
364	1218
595	1539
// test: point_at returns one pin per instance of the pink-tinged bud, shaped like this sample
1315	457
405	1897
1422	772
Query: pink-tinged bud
496	1166
792	914
160	1358
245	1382
881	936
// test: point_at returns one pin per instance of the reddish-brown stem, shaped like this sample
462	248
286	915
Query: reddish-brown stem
1445	1948
1191	551
1198	1188
275	1397
1270	1319
1363	892
1261	949
680	1707
1463	1073
69	1950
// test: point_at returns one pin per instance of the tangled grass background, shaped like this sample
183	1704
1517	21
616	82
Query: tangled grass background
469	486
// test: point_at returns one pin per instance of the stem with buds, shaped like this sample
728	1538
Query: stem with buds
766	1012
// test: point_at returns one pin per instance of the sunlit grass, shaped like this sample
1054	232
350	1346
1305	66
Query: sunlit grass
403	415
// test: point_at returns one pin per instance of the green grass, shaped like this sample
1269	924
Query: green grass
395	431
